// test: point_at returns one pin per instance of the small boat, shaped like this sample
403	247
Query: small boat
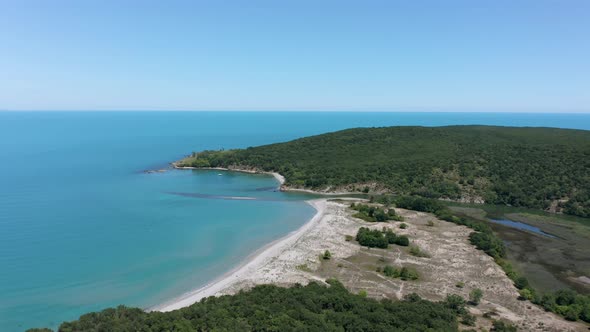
219	174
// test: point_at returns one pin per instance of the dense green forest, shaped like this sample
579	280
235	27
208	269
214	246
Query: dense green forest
530	167
270	308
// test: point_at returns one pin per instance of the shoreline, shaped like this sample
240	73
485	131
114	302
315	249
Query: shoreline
294	259
276	175
280	178
249	265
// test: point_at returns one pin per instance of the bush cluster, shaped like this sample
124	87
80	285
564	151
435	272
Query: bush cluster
374	213
374	238
404	273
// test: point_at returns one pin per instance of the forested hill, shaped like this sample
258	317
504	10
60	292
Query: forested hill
541	168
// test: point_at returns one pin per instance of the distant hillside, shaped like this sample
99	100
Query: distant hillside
540	168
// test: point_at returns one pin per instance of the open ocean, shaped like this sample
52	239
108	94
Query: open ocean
82	227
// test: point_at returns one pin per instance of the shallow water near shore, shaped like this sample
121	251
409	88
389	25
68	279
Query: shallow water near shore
82	227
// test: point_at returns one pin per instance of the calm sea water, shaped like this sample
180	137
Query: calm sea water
83	228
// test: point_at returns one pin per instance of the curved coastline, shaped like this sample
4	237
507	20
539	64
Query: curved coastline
251	264
276	175
280	178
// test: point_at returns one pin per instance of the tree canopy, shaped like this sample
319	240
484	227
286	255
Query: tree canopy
530	167
270	308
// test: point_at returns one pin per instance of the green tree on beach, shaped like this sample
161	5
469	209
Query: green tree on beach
402	240
371	238
475	296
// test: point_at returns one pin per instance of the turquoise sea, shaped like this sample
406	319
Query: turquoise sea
82	227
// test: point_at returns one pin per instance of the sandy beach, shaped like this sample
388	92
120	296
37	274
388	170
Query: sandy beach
296	258
249	267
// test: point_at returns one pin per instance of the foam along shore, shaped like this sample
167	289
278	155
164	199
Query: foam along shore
249	267
277	176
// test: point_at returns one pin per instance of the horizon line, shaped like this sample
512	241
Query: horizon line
304	110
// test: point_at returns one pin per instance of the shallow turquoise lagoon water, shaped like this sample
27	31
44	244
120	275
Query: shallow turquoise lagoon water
83	228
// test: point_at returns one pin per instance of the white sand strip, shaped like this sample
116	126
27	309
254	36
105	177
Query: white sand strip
250	265
276	175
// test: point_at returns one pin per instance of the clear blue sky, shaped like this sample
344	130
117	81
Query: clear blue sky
309	55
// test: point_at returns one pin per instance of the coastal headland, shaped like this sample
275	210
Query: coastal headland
308	174
537	168
409	237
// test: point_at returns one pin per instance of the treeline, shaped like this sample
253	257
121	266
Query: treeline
528	167
567	303
270	308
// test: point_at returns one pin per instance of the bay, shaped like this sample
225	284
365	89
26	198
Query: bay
82	227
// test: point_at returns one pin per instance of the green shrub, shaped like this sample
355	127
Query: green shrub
370	213
489	243
521	283
380	239
391	237
501	326
455	303
525	294
404	273
408	273
416	251
371	238
475	296
468	319
572	313
390	271
402	240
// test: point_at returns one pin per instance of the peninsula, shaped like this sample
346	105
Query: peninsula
408	246
540	168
